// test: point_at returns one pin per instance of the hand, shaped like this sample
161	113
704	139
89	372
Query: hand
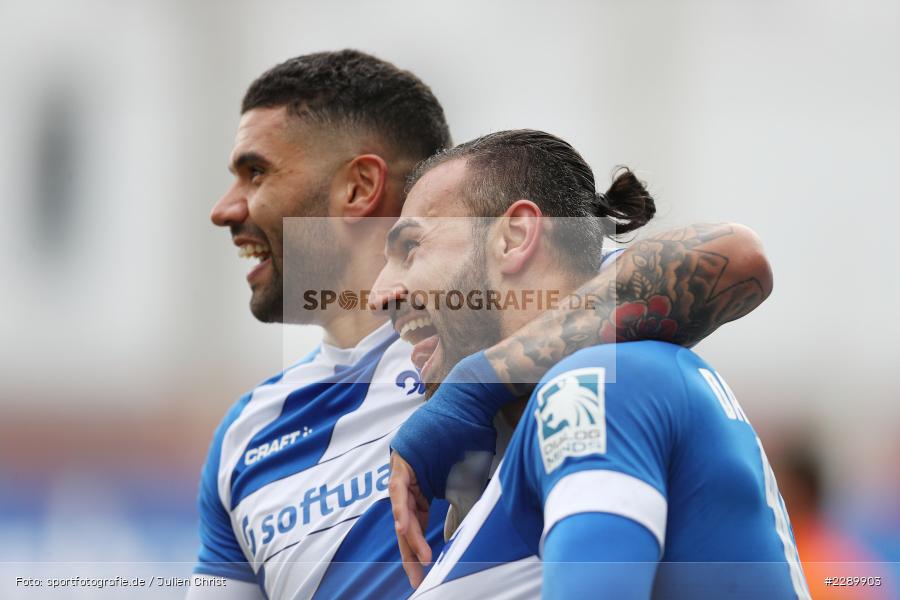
410	510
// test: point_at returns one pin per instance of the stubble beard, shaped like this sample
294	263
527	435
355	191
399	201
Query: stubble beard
470	330
310	257
267	304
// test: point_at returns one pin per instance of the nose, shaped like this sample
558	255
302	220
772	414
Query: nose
387	288
230	209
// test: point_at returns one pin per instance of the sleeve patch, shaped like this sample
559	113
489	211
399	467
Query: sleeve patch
571	416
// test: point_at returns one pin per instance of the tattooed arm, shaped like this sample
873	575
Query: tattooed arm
677	286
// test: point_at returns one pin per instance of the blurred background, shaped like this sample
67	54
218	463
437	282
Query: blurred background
125	332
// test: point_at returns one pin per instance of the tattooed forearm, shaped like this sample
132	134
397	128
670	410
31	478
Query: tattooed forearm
677	286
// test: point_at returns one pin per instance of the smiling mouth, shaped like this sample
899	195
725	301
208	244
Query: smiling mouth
427	351
257	252
254	251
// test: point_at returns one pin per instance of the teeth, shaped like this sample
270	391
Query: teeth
253	251
414	324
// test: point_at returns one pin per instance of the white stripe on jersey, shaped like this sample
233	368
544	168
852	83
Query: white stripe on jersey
354	472
289	576
385	408
355	461
606	492
264	407
503	581
517	580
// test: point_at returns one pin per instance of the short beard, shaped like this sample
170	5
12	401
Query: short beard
469	331
268	305
311	258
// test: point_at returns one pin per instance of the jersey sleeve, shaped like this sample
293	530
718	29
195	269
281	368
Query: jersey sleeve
576	566
219	554
602	428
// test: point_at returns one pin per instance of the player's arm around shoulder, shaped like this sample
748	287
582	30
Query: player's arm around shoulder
603	429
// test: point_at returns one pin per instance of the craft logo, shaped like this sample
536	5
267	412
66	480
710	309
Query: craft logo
571	416
277	445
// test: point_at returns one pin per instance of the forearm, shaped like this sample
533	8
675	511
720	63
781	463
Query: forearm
599	551
677	286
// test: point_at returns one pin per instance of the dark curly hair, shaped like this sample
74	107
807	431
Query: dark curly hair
352	89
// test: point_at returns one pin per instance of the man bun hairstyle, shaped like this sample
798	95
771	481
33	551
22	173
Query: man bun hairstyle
626	201
355	90
506	166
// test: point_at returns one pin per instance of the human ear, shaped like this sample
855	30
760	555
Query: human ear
364	186
519	236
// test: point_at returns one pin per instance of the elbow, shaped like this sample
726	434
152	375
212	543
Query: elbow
750	259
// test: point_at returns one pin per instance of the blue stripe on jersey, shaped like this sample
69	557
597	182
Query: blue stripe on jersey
478	557
219	552
369	566
261	575
342	394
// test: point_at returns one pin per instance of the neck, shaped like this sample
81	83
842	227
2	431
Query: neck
348	329
551	284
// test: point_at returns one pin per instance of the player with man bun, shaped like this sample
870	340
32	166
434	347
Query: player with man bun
293	496
633	472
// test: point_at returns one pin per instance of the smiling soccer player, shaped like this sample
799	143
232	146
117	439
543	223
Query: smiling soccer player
293	496
633	471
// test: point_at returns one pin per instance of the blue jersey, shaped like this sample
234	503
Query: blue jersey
294	496
648	439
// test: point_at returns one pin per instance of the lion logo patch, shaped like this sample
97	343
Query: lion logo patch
571	416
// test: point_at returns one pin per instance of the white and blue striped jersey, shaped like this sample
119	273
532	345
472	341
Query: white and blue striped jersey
293	494
646	432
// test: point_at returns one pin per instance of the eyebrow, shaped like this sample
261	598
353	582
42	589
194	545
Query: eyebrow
246	158
397	229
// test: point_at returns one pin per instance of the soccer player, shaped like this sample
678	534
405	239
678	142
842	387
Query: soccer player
293	496
625	454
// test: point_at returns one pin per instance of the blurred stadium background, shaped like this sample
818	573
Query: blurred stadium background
125	330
